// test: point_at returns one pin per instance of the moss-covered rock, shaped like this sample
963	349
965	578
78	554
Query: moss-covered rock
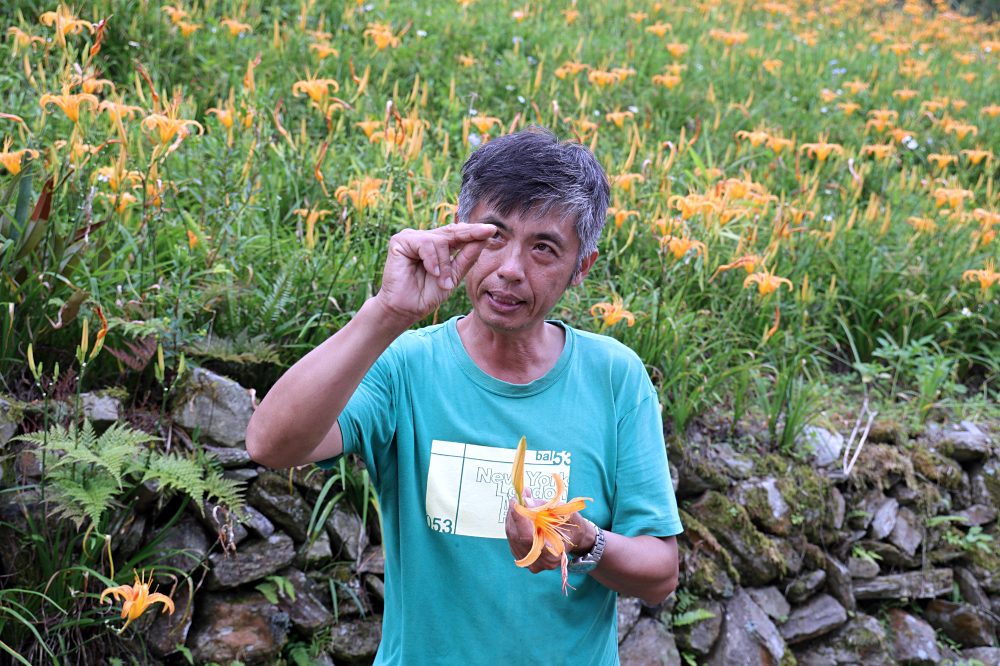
707	569
754	555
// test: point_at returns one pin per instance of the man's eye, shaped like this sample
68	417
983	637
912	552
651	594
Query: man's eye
544	248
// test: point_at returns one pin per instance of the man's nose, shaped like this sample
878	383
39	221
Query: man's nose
511	264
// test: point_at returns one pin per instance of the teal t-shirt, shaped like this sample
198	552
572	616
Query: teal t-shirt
438	437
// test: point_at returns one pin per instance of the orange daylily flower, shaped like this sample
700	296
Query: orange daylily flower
613	312
23	39
484	123
855	86
69	103
766	282
168	126
659	28
369	127
668	81
627	180
679	246
137	598
362	193
881	118
65	23
235	27
620	215
904	94
550	520
922	225
986	277
993	110
771	65
324	51
618	117
729	38
317	89
176	14
466	61
848	107
570	68
961	130
676	49
777	144
312	217
881	151
821	150
755	137
951	196
382	35
11	159
571	14
941	160
694	204
748	262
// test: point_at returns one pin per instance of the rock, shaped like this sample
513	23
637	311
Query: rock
244	626
9	418
988	656
169	630
27	466
963	623
990	481
256	522
827	447
888	555
229	457
312	555
771	601
862	640
696	473
971	590
754	554
748	637
216	406
977	514
698	637
862	567
186	544
100	407
372	561
888	431
356	640
914	641
839	582
964	442
820	615
270	495
913	585
733	464
130	536
628	614
791	553
243	475
649	643
347	534
304	608
838	506
254	560
376	586
763	501
906	534
803	587
883	518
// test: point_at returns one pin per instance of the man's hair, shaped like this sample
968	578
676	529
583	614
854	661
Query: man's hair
531	171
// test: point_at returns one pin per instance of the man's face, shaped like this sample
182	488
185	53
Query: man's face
524	268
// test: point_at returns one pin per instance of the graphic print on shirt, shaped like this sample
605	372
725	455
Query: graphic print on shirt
468	486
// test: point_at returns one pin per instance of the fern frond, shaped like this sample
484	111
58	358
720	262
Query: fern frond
174	472
227	492
81	498
242	349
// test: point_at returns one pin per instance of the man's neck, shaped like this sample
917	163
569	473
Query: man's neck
516	357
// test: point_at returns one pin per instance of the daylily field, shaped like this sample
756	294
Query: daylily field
804	195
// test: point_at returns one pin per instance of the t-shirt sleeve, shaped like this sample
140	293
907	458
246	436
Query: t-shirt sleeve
367	424
644	494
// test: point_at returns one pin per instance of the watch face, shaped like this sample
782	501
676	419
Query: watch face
581	566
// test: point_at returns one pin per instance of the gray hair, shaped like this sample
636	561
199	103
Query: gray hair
532	171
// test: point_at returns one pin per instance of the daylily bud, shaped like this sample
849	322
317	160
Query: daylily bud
181	366
160	365
84	338
31	362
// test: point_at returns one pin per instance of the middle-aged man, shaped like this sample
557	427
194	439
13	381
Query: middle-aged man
436	414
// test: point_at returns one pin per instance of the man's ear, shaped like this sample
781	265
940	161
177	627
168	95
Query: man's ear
585	267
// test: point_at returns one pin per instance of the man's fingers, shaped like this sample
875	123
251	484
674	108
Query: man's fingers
466	233
429	257
465	258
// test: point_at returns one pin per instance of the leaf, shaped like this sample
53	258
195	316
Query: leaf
690	617
517	474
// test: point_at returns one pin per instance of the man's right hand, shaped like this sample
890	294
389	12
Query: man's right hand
423	267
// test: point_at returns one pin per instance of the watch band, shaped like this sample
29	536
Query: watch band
588	562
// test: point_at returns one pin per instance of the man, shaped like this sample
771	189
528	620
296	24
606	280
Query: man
436	414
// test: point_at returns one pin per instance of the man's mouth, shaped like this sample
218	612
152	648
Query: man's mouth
502	301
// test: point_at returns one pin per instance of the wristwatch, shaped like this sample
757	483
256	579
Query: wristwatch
588	562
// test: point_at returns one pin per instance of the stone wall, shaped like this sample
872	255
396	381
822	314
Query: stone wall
782	562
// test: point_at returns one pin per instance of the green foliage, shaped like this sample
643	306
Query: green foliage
274	586
90	475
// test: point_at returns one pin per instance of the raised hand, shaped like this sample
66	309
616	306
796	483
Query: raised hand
423	267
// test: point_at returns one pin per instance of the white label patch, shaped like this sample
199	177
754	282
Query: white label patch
468	485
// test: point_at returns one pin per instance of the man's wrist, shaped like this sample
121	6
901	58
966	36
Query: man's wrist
586	538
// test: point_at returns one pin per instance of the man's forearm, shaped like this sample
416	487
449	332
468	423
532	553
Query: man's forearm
300	410
642	566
